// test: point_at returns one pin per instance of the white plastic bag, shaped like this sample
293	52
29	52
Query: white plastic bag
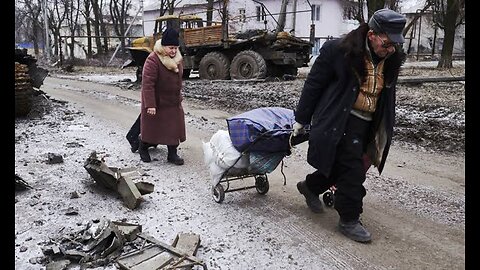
220	154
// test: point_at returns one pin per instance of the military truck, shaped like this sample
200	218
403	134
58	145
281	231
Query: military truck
216	55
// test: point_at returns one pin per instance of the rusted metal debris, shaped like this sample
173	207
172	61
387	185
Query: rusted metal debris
99	243
119	180
104	242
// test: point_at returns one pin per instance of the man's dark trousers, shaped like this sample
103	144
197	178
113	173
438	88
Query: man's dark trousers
348	171
132	135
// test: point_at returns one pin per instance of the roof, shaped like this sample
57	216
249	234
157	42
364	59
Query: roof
177	16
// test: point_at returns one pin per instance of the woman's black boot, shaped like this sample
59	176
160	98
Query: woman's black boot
172	155
143	151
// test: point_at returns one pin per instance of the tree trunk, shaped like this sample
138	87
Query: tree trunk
35	39
96	25
451	16
88	26
209	12
89	40
72	46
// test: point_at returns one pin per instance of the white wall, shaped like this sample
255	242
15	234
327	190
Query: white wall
331	19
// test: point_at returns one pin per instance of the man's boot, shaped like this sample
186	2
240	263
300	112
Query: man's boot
354	230
133	135
134	144
143	151
313	201
172	155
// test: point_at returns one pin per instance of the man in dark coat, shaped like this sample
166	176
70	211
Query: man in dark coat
162	119
348	100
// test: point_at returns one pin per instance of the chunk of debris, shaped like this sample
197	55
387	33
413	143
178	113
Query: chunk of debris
58	265
21	184
119	180
103	242
54	158
99	243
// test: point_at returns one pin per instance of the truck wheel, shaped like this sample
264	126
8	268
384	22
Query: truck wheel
214	66
248	65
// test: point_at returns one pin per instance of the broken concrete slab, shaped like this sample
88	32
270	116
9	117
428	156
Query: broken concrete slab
119	180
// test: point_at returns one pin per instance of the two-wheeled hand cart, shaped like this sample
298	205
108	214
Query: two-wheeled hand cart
261	163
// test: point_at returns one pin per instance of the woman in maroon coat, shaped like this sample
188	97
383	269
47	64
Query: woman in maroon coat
162	117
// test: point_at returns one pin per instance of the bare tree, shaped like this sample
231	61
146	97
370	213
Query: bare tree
448	15
34	27
56	17
209	12
99	26
20	24
374	5
86	14
72	13
119	11
353	9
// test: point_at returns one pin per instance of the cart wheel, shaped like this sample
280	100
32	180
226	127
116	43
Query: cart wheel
261	184
328	198
218	193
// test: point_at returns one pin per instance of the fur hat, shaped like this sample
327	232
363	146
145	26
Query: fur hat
170	37
389	22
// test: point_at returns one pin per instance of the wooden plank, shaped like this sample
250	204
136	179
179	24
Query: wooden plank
158	261
130	260
203	36
171	249
162	256
188	243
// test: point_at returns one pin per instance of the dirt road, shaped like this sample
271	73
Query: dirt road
415	210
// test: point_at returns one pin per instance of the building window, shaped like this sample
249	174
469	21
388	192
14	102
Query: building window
242	14
261	14
315	13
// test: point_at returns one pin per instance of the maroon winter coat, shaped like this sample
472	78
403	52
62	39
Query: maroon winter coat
161	89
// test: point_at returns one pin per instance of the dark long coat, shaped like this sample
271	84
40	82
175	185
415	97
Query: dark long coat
161	89
330	91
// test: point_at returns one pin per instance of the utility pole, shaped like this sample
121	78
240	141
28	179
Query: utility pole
46	47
